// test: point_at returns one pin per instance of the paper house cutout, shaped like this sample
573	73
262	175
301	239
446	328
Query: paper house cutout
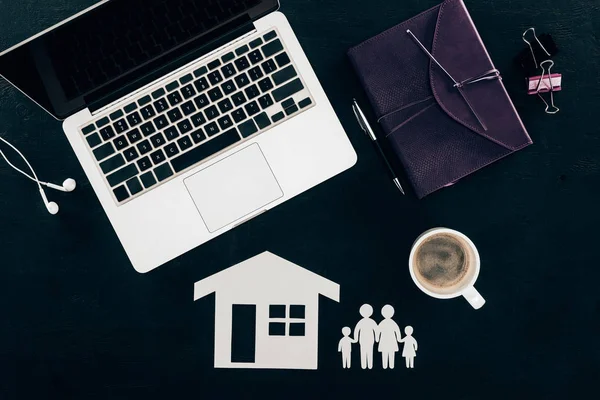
271	306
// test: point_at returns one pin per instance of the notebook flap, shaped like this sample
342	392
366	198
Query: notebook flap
459	49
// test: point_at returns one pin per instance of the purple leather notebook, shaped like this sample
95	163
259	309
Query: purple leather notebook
438	97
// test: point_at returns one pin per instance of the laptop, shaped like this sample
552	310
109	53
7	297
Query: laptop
189	117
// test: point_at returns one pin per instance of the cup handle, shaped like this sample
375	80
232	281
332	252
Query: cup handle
474	298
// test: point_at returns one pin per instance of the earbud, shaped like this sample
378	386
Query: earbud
68	185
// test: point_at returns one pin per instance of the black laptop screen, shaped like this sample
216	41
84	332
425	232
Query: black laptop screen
116	43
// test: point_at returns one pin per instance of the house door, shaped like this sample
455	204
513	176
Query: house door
243	333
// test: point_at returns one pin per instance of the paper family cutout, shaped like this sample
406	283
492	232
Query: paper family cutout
387	334
266	313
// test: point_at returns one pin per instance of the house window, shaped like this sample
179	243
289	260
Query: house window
287	320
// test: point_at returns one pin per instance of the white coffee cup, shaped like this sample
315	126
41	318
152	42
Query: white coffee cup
465	286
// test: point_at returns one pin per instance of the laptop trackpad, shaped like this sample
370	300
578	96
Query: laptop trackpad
233	188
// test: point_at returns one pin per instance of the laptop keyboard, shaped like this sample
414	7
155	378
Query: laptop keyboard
209	108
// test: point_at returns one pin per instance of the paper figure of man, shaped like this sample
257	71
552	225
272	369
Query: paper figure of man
366	333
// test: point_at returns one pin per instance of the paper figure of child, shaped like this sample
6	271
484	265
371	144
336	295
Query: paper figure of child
366	333
410	347
345	347
389	336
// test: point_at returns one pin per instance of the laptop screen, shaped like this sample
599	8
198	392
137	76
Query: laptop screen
116	44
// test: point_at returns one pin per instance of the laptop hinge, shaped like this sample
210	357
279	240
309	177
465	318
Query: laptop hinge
224	42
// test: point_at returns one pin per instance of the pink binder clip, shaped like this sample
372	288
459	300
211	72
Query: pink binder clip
544	83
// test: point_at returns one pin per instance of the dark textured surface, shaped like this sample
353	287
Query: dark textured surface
78	322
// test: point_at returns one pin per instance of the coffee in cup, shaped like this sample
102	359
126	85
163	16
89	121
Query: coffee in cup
445	264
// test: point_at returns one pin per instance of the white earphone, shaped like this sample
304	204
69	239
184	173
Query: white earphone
68	185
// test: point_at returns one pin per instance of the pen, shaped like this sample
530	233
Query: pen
364	125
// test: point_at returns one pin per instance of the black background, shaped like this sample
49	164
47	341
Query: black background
77	321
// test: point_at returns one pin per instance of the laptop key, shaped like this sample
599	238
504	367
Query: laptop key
291	110
242	50
252	108
270	35
121	126
163	172
112	163
107	133
122	175
174	99
225	122
201	101
134	119
88	129
215	77
287	103
157	157
144	147
242	80
171	150
158	93
228	70
171	133
205	150
241	63
121	193
174	115
287	90
248	128
184	143
284	75
134	186
200	71
104	151
120	142
265	101
186	79
211	129
282	59
93	140
239	115
130	107
116	115
134	136
228	87
228	57
269	66
144	100
225	106
188	91
215	94
255	73
198	119
148	128
255	56
144	163
161	122
130	154
262	120
148	180
278	117
102	122
198	136
252	92
265	84
238	99
188	108
211	113
255	43
184	126
161	105
147	112
201	84
272	48
157	140
172	86
305	103
214	64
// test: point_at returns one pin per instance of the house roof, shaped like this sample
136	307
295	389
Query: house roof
267	269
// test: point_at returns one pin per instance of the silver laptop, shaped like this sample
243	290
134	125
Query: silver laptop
189	117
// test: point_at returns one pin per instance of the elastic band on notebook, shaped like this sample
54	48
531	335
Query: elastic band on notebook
414	103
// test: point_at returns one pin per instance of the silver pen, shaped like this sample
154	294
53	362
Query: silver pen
364	125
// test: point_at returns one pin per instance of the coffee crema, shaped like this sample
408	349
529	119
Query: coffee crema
441	261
